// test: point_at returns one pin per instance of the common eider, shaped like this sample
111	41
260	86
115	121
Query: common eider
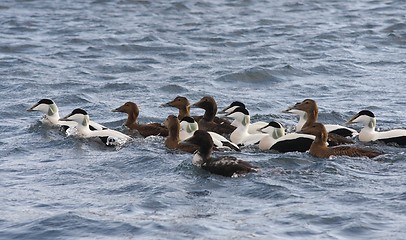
368	133
173	141
308	112
107	136
252	127
207	122
52	118
228	166
145	130
240	135
320	149
280	141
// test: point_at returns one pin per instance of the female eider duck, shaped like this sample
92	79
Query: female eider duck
253	127
51	117
151	129
368	133
226	165
188	126
319	146
183	105
277	140
107	136
240	135
207	122
308	113
173	141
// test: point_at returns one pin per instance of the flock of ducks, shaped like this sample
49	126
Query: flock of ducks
201	135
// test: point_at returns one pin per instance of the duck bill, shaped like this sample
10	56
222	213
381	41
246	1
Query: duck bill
31	109
195	105
119	109
168	104
66	118
352	119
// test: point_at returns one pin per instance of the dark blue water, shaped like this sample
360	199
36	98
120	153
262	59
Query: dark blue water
96	55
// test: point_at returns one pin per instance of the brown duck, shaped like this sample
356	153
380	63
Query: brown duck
207	121
319	146
183	105
228	166
150	129
172	141
336	136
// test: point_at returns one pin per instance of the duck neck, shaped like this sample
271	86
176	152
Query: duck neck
205	153
184	112
132	118
321	139
83	127
53	114
174	133
210	113
311	117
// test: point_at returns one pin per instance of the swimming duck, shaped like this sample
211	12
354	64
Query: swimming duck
252	127
279	141
308	113
226	165
240	135
183	104
368	133
207	122
51	117
107	136
145	130
188	126
172	141
319	146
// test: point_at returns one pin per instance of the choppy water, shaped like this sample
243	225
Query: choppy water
347	55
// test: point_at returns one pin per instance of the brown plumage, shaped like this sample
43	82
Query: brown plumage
172	141
319	146
132	121
310	107
228	166
207	122
183	105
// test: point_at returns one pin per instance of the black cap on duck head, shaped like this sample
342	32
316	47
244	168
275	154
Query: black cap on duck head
274	124
237	104
241	110
46	101
367	113
78	111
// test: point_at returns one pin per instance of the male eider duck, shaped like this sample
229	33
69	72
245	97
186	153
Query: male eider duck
240	135
226	165
319	146
368	133
252	127
207	122
277	140
150	129
51	117
308	113
173	141
183	105
107	136
188	126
